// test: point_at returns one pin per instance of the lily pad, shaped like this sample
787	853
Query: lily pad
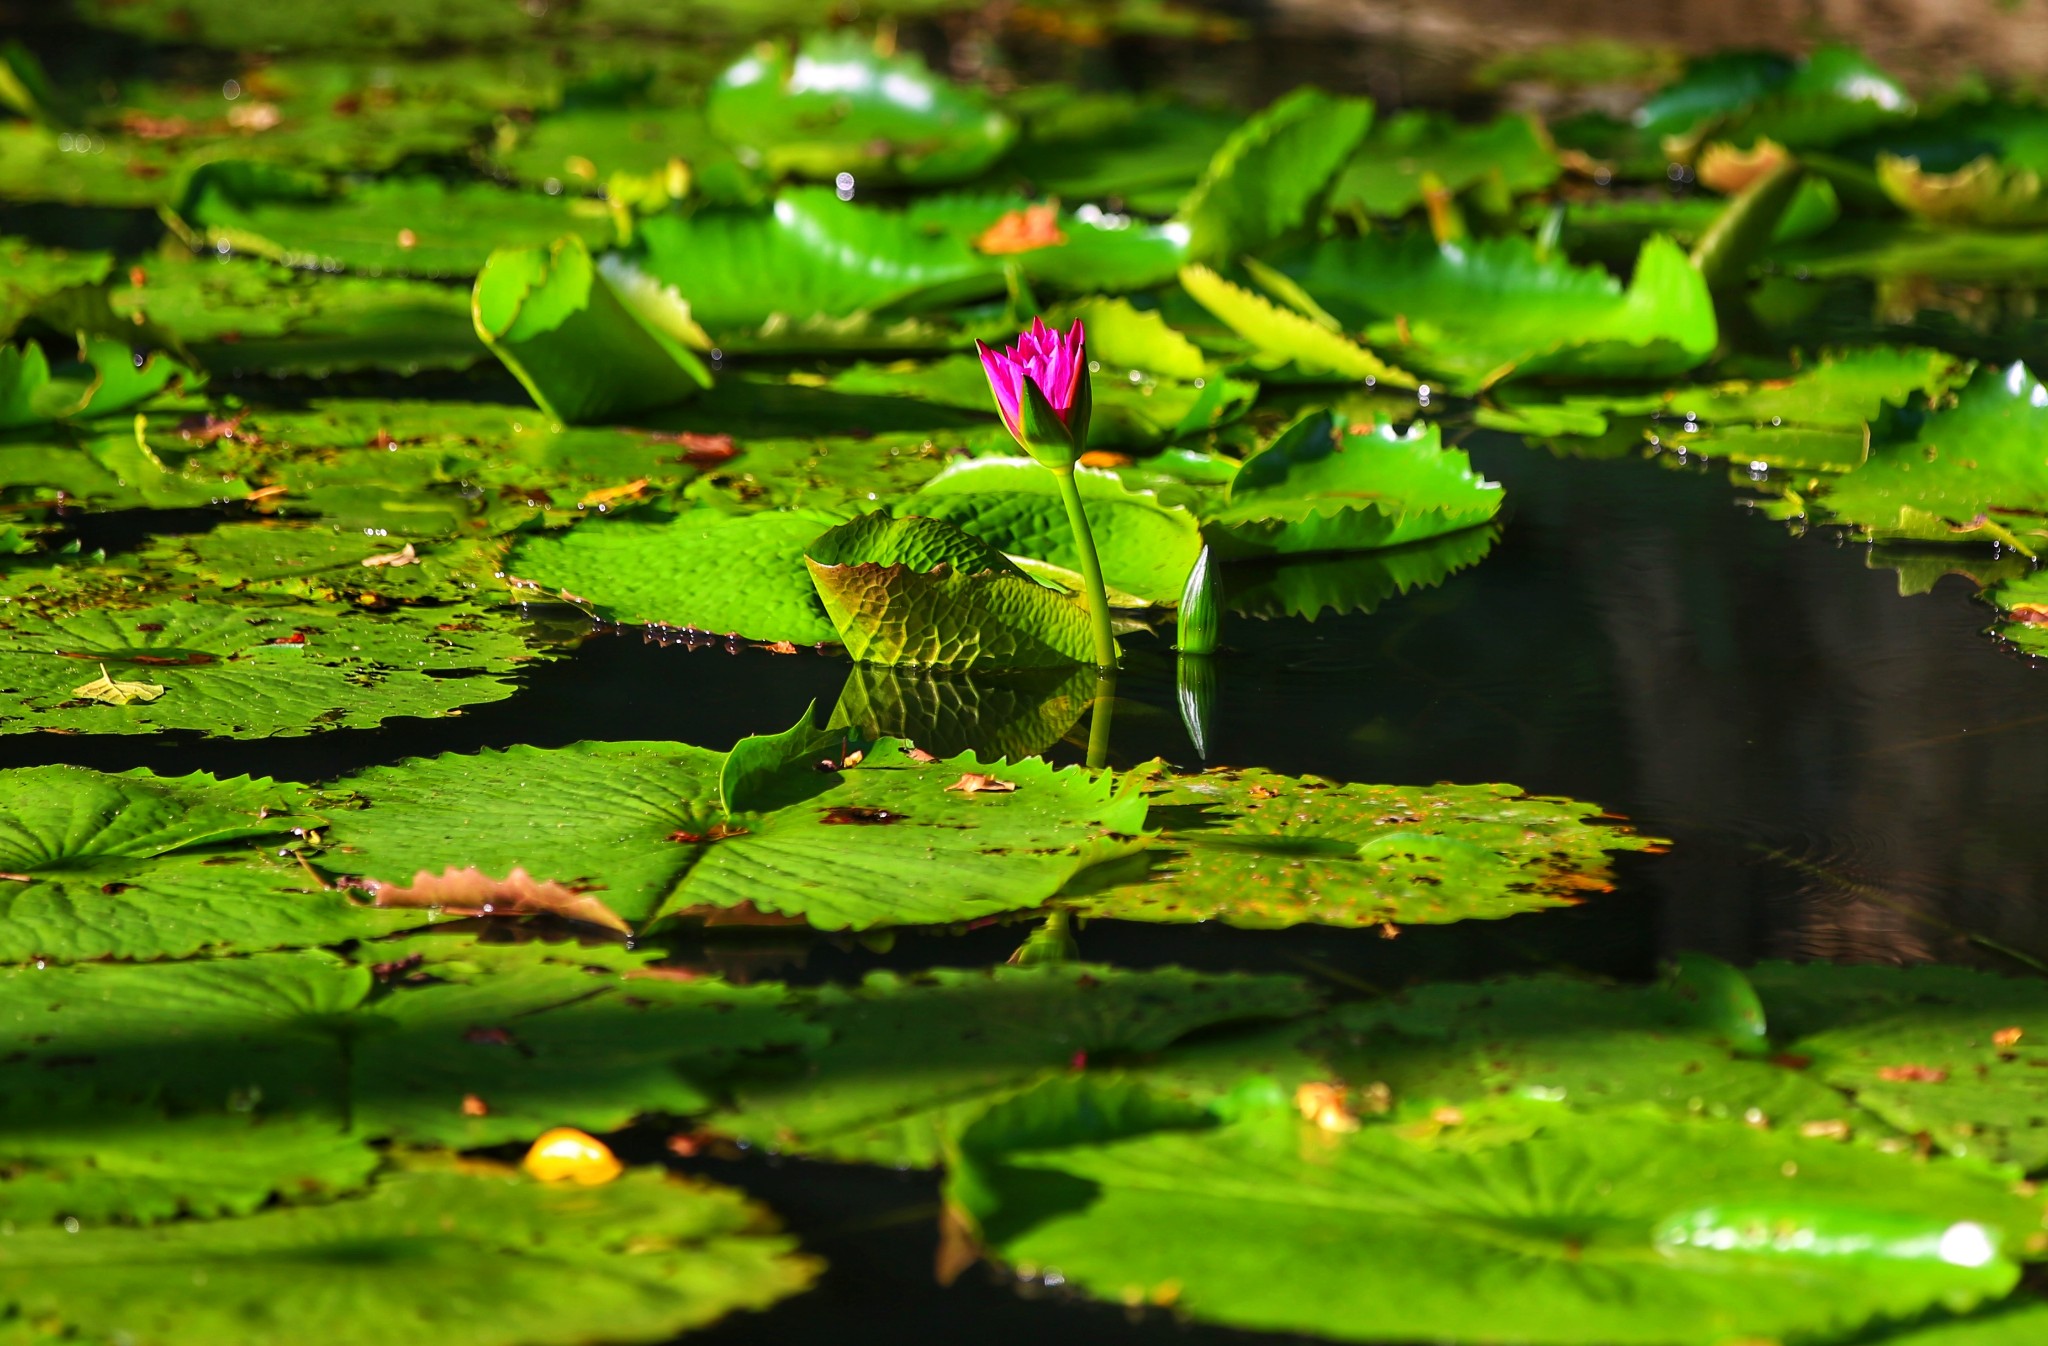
635	834
1479	313
638	1260
1283	339
141	866
1115	148
831	259
1973	471
1385	177
1147	548
29	274
838	104
396	226
257	316
1257	849
1614	1228
1944	1052
1325	485
557	323
920	591
1002	715
913	1059
1264	179
249	671
706	569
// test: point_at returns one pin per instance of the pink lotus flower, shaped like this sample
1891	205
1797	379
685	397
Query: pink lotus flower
1045	372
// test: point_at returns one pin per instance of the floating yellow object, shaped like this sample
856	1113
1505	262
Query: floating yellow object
568	1155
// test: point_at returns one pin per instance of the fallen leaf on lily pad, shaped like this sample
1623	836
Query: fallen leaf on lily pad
109	692
404	556
471	892
973	783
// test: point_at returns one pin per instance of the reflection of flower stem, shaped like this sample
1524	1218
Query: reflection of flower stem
1099	717
1091	568
1052	942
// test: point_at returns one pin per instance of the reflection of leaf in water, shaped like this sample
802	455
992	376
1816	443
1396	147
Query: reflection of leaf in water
1307	587
997	716
470	892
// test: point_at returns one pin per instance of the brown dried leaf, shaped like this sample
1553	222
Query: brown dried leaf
404	556
471	892
108	692
606	495
1911	1074
973	783
1025	230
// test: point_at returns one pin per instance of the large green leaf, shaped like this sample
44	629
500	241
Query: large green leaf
1147	548
1266	176
1099	147
634	833
1546	1228
1828	96
29	274
545	1036
1477	313
397	226
1578	1044
831	259
1385	177
1946	1053
1325	485
437	1252
2012	1324
249	671
258	316
920	591
1976	470
914	1058
141	866
837	104
566	334
705	569
1255	848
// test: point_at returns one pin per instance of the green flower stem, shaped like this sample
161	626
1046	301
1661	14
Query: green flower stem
1091	568
1098	719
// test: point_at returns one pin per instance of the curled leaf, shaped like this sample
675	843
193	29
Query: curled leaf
973	782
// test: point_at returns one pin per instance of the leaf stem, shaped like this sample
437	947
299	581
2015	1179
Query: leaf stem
1091	568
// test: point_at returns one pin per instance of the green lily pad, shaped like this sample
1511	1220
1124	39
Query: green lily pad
637	1260
634	834
837	104
920	591
1921	1048
1827	96
1385	177
831	259
250	671
1257	849
545	1036
1973	471
1266	176
1479	313
1115	147
578	347
29	274
706	569
1324	485
250	316
141	866
2011	1324
913	1059
1146	548
1577	1044
396	226
1617	1228
206	1167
